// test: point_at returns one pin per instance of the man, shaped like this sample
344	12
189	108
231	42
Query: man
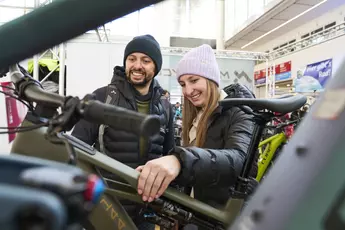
133	87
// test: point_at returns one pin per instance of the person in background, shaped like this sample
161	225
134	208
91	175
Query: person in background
166	94
133	87
177	110
214	138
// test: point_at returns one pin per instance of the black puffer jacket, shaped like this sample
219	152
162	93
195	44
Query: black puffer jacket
121	145
124	146
212	170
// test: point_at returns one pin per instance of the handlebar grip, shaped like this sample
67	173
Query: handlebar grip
120	118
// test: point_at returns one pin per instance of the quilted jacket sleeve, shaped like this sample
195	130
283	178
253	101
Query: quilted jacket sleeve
204	167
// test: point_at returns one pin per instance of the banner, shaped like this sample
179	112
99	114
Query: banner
260	77
15	110
313	77
231	71
282	73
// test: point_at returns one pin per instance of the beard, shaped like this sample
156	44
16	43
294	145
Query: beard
142	83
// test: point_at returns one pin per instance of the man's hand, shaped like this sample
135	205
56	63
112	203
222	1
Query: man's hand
156	175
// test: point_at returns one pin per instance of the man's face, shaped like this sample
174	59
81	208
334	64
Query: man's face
177	105
140	69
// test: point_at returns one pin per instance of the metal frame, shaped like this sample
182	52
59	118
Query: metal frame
235	54
87	159
313	40
58	53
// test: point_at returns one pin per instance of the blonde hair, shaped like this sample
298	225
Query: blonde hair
190	112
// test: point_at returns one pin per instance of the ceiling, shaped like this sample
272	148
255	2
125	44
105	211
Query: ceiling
280	13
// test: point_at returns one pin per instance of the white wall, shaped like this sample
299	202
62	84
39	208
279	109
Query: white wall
88	65
337	15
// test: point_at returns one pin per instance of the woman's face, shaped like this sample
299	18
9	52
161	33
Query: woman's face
194	88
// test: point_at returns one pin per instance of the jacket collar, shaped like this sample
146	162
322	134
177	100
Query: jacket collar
219	110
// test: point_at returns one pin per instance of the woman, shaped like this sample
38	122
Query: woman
215	140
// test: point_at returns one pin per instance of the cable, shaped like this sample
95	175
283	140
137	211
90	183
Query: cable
19	127
7	87
24	129
21	100
12	130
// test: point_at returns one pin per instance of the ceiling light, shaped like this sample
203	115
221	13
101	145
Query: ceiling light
288	85
285	23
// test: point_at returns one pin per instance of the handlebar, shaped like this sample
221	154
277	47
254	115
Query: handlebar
120	118
31	90
91	110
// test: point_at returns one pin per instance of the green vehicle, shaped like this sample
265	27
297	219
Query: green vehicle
271	147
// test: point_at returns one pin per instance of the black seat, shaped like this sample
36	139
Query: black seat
284	104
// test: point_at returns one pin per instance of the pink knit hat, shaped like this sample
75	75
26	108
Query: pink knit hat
199	61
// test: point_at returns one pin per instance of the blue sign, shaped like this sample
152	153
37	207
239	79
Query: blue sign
313	77
283	76
260	81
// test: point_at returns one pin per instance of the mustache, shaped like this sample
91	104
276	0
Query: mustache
138	71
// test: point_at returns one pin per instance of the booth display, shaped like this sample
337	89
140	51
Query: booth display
276	74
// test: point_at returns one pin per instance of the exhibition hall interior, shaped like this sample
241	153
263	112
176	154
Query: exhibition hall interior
258	83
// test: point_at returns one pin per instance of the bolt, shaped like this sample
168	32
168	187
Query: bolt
257	215
267	200
301	151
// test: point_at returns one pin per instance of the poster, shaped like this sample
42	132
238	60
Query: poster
313	77
260	77
15	110
282	73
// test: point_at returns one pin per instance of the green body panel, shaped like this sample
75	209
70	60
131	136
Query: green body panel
34	143
272	143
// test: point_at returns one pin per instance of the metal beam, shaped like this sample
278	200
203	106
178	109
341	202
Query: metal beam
17	7
315	39
235	54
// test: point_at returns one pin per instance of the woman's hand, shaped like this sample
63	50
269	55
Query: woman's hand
156	175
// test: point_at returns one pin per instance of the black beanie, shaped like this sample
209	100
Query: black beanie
148	45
